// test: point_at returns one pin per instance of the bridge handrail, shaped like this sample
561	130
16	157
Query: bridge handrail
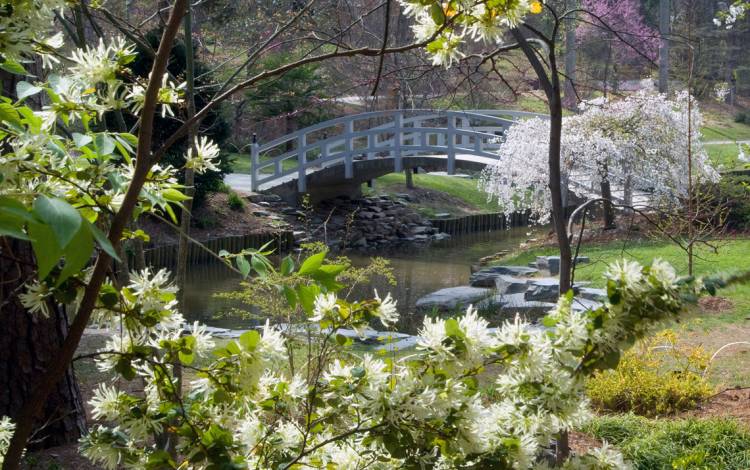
405	124
434	113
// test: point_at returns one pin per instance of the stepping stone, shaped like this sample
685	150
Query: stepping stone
486	277
510	285
453	298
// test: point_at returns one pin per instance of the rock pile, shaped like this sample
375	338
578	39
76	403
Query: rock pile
364	224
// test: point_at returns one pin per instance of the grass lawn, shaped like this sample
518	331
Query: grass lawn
464	189
709	329
242	164
723	127
724	155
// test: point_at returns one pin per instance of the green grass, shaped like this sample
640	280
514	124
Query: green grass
731	256
464	189
676	444
724	155
723	127
241	163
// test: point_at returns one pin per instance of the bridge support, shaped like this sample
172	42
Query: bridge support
451	136
398	125
348	163
254	161
302	164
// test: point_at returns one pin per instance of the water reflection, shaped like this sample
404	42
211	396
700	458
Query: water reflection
418	271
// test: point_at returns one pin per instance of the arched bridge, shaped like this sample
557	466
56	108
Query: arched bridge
330	157
335	157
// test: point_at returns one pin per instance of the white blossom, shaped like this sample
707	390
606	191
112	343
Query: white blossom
203	159
387	310
36	298
324	305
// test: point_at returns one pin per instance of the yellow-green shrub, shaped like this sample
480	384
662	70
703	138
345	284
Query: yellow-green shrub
657	377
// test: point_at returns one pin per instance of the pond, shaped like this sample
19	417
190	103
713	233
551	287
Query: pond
418	270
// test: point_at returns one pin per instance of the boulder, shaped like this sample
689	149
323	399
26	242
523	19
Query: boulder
515	304
486	277
552	263
543	290
510	285
453	298
590	293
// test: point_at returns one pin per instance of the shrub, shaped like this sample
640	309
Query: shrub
653	380
676	444
235	202
742	117
732	192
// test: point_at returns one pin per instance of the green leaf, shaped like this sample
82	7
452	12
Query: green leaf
46	248
333	269
312	264
437	14
243	266
26	89
9	114
452	328
62	218
13	67
249	340
103	241
258	266
291	296
307	295
77	254
81	140
108	295
104	144
173	195
287	266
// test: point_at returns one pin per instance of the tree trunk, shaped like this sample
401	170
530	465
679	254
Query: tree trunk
664	31
606	191
571	100
28	342
409	174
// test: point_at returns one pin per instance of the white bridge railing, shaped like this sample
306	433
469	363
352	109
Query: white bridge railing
392	134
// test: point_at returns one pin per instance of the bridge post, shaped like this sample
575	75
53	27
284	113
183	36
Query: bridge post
302	163
348	166
451	136
398	124
254	161
370	146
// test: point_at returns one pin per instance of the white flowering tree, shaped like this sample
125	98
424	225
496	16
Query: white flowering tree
298	396
71	187
639	141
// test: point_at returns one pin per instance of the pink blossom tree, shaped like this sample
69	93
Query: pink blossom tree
617	31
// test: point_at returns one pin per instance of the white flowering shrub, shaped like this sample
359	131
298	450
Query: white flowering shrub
297	395
641	140
63	178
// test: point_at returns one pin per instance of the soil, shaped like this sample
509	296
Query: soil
715	304
214	219
734	403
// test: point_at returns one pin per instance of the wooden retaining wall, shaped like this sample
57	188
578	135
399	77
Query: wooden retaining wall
480	223
165	256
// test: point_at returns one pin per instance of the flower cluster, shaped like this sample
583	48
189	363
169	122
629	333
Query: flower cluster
6	433
638	144
447	25
729	17
255	405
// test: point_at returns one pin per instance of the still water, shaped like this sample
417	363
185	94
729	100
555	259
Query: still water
418	271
